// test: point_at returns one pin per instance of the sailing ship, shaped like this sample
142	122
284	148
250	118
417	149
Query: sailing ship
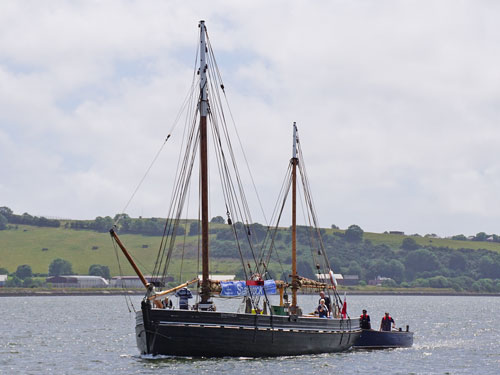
262	330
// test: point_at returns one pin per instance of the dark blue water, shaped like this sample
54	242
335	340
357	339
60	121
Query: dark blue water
95	335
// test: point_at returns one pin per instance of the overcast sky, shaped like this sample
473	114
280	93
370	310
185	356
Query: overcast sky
397	104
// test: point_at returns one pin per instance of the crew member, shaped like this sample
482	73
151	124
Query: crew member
364	321
328	302
385	324
322	309
184	294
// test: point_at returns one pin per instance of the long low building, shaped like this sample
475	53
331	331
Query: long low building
77	281
219	277
135	282
341	279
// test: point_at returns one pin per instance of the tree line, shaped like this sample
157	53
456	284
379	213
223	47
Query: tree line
7	216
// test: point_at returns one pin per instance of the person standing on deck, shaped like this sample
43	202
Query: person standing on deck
364	321
328	302
385	324
322	309
184	294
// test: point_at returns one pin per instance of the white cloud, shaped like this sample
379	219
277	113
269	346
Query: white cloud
396	102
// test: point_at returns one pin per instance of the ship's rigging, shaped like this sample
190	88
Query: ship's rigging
206	100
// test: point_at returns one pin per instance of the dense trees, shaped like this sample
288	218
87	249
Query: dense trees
194	228
218	220
457	261
60	267
488	268
24	271
148	227
409	244
354	233
422	260
6	211
99	270
3	222
27	219
481	236
304	269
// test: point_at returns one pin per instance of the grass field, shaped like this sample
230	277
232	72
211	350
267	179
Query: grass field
82	248
394	240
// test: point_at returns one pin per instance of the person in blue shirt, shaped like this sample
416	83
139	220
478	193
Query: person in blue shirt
322	309
184	295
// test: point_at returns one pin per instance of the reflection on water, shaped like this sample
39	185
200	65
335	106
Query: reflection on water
95	334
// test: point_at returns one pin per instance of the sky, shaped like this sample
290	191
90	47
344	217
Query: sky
397	105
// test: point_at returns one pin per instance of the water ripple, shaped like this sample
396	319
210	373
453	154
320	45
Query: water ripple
95	334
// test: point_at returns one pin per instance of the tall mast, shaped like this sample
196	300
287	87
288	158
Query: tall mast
294	162
205	286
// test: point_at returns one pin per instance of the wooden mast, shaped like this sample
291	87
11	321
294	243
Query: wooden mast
205	285
294	162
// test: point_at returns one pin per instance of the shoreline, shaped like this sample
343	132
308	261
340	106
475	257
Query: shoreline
62	293
16	292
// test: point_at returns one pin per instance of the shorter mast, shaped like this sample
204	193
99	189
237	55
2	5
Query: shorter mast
294	162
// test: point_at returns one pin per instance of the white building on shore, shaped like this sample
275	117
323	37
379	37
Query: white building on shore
77	281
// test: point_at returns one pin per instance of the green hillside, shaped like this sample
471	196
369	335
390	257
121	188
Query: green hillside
395	240
39	246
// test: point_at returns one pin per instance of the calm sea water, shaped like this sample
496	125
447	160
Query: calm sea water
95	335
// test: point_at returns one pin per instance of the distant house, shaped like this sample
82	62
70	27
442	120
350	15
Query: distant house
135	282
77	281
3	280
397	232
378	280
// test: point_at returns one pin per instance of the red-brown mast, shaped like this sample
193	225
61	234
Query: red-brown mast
294	162
205	284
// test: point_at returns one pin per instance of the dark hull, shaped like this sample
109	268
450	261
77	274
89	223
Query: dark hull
213	334
370	339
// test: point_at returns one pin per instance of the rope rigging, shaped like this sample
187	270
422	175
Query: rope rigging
316	245
255	253
234	198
